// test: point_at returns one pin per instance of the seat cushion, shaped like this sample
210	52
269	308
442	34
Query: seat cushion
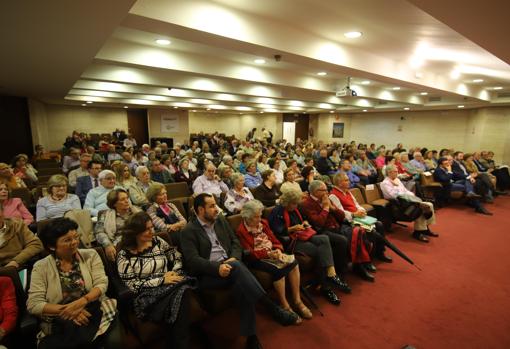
380	202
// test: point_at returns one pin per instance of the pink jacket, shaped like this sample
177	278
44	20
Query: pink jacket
14	208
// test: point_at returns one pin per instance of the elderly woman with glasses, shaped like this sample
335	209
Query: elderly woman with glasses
58	201
165	215
110	222
96	198
68	291
238	195
266	254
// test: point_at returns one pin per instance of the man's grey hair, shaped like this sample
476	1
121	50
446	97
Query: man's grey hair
251	208
288	197
314	185
416	153
226	158
139	169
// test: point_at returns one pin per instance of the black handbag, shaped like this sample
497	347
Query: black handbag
65	334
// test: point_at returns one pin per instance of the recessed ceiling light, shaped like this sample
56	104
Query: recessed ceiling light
208	109
406	108
366	82
163	42
260	61
261	112
83	105
322	73
396	88
478	80
460	106
89	102
331	111
125	107
353	35
496	88
424	93
194	111
176	107
365	110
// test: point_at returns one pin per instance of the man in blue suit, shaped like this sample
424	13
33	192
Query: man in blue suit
444	175
85	183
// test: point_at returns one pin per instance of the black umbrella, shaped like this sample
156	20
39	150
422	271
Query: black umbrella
393	248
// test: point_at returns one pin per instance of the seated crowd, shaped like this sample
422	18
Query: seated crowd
293	204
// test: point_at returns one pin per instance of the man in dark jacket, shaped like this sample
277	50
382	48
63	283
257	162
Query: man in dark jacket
444	175
213	253
324	165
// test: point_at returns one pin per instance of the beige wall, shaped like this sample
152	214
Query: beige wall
51	124
155	131
233	124
323	127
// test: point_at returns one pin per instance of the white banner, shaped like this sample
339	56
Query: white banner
169	123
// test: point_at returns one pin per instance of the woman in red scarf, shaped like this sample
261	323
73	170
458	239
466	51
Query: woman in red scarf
266	254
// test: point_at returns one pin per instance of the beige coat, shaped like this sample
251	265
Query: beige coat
19	244
45	284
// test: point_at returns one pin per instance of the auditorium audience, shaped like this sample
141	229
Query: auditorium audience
85	183
80	171
58	201
215	259
17	243
68	291
152	269
393	189
112	155
265	253
308	174
354	180
267	192
96	198
14	207
138	190
165	216
111	221
184	174
444	175
158	174
71	161
252	178
23	169
123	176
238	195
209	183
290	183
288	224
7	176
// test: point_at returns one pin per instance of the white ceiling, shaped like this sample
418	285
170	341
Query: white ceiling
105	52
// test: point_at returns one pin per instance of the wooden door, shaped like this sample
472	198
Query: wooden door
138	126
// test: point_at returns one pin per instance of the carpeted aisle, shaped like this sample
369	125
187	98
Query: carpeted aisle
460	300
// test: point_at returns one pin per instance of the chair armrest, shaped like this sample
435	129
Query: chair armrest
28	324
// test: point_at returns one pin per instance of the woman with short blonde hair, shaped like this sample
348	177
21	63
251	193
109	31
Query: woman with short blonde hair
58	201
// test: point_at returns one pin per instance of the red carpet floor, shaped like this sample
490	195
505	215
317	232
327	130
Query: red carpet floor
460	299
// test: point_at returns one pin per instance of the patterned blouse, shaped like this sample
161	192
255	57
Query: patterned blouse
72	283
161	215
260	239
147	269
234	201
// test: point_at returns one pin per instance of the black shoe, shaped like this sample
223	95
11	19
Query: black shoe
282	316
330	295
252	342
420	236
370	267
384	258
472	195
362	272
339	283
430	233
483	210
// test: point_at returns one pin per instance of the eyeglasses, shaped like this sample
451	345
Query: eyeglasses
70	240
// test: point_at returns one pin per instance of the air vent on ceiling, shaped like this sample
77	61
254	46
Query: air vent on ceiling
504	95
434	99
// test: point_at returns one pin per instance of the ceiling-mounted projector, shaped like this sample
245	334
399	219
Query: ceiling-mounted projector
346	91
